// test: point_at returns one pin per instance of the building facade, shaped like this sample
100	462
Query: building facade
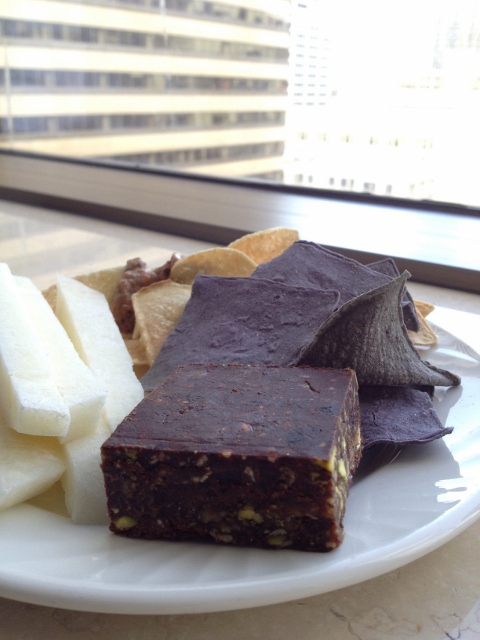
380	117
191	85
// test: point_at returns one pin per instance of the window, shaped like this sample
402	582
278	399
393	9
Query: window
278	91
27	78
30	125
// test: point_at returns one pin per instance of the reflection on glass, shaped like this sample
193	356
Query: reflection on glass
326	94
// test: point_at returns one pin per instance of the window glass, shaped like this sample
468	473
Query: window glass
364	97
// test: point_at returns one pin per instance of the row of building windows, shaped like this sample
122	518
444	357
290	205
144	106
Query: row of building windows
348	138
199	9
437	82
349	184
343	183
51	79
185	157
93	36
53	125
272	176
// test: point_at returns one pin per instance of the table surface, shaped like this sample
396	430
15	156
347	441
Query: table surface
435	597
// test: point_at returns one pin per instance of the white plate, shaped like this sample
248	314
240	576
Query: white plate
411	506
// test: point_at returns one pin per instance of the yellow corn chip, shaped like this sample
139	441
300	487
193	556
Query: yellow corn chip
137	351
263	246
158	308
425	336
220	261
424	308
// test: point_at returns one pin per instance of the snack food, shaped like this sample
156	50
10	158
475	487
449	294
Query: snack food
28	465
82	392
388	267
263	246
219	261
248	320
312	265
83	481
104	280
135	277
245	455
157	309
29	398
79	355
258	321
368	335
242	320
398	416
100	346
425	336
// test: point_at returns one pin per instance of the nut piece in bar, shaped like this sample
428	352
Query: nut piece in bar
242	455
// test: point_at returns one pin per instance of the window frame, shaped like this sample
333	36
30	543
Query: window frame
445	237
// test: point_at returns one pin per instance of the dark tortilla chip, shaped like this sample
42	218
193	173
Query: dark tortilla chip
236	320
388	267
309	264
367	334
398	416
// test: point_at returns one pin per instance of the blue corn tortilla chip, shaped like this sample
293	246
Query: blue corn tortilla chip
311	265
388	267
367	334
398	416
237	320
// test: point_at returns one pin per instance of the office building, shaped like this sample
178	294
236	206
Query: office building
380	117
186	84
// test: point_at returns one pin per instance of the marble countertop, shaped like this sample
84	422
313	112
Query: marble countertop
435	597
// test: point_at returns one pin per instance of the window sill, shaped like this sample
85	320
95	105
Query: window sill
438	246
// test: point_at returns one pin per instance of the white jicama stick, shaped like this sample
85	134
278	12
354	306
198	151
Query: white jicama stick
82	481
83	394
89	322
29	465
29	398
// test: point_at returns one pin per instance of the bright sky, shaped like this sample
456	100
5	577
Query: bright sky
375	38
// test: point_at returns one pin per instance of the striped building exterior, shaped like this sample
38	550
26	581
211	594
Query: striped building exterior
190	85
